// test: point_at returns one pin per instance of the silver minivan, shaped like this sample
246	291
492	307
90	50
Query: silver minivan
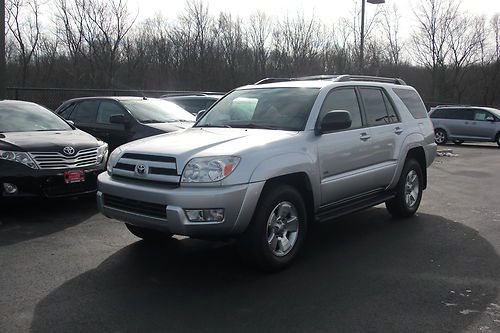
460	124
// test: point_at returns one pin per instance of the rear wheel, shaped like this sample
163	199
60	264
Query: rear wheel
498	139
408	191
277	230
148	234
440	136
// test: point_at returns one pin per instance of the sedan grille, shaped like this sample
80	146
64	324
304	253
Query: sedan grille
55	160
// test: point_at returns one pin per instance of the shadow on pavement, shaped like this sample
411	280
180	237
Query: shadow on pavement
22	219
365	273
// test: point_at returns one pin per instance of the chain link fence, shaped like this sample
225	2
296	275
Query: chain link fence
53	97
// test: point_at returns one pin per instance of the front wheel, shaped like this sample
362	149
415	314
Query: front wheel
498	139
408	191
277	230
147	234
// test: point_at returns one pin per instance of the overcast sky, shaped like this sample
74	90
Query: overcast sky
327	10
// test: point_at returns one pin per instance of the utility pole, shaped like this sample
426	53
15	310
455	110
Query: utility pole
2	50
362	41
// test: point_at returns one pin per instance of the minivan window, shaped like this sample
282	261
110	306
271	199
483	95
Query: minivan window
344	99
481	115
464	114
376	112
413	102
85	111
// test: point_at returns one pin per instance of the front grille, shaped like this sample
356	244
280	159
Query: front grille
135	206
157	168
55	160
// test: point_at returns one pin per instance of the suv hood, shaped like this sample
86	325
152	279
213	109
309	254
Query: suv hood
46	141
199	142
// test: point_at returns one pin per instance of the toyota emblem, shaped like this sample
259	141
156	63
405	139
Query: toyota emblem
140	169
69	151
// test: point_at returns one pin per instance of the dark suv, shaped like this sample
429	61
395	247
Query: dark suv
466	123
118	120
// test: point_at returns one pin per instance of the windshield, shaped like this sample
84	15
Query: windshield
270	108
27	117
157	111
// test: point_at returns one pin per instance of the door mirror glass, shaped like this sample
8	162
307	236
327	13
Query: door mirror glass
334	121
118	119
200	114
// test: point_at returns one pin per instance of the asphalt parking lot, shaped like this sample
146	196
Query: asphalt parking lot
66	268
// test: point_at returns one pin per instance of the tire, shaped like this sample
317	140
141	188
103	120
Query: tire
458	142
498	139
148	234
277	230
406	203
440	136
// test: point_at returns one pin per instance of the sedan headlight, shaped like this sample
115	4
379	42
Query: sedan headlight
209	169
102	152
113	159
19	157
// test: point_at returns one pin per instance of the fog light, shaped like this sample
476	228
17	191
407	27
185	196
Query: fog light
205	215
10	188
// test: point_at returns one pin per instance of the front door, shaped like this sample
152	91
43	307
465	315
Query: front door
342	155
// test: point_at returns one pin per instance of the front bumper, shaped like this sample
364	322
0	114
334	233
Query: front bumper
48	183
159	206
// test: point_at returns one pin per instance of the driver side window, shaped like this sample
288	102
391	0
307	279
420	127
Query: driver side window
343	99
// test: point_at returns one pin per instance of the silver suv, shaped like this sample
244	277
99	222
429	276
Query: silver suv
459	124
269	159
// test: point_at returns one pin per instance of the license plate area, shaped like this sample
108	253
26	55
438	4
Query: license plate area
74	176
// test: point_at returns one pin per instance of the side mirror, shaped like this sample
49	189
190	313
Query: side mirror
490	118
334	121
200	114
118	119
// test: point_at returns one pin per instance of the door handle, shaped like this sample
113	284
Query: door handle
364	137
398	130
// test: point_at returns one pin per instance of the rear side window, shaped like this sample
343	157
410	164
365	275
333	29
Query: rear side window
66	112
375	106
444	114
413	102
464	114
86	111
344	99
106	110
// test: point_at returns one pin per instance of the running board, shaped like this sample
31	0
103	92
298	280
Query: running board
350	206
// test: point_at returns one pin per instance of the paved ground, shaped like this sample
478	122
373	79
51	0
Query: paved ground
65	268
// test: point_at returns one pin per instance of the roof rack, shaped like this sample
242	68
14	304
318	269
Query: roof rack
335	78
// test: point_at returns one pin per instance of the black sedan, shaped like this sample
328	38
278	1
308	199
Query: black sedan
43	155
118	120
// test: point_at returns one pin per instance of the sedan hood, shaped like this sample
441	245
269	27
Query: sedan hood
171	127
199	142
46	141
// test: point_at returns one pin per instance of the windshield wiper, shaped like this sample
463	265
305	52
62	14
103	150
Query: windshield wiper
257	126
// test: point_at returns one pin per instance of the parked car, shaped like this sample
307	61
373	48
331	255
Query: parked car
43	155
466	123
311	149
118	120
194	103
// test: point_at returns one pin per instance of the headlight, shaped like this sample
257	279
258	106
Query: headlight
113	159
102	152
209	169
19	157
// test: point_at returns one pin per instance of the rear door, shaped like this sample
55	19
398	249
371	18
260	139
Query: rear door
84	115
385	128
461	124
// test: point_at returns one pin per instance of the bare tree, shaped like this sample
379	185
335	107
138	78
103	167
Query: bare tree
430	47
391	19
24	25
259	32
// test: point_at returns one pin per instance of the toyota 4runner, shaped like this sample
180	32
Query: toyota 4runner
269	159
